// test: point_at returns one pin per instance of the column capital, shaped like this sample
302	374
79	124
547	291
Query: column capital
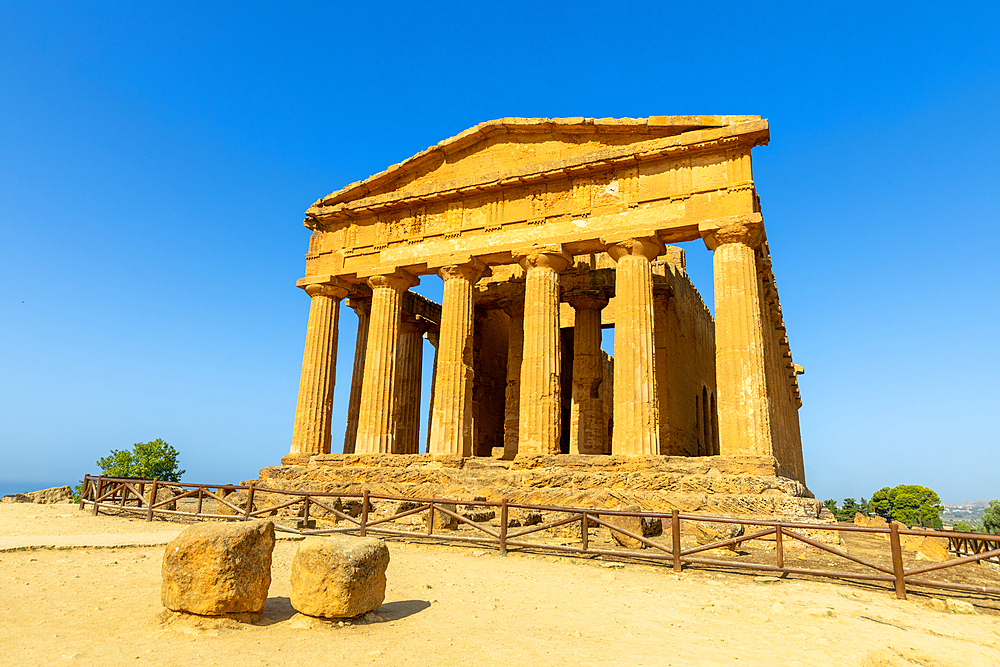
360	304
649	247
307	283
472	271
551	257
336	291
586	299
399	279
747	230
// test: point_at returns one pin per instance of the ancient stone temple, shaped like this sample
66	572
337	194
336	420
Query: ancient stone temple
546	232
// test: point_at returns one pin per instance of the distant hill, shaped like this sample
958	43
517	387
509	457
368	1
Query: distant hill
971	511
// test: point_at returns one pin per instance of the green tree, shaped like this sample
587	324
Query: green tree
147	460
991	517
963	526
849	509
831	505
911	504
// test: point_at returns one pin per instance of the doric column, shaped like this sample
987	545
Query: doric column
540	406
515	347
744	420
361	306
434	338
376	430
637	413
451	424
311	434
587	413
409	366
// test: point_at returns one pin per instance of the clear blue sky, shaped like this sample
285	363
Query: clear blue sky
156	160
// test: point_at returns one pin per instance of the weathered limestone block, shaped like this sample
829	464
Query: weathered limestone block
232	497
442	521
57	494
706	532
16	498
163	494
339	576
638	525
934	549
477	513
218	568
870	521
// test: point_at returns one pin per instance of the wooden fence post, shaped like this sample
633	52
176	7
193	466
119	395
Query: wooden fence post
364	513
675	530
584	530
249	507
305	514
897	560
97	493
152	499
503	526
83	489
779	546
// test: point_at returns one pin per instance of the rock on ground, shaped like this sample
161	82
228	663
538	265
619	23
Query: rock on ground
339	576
218	568
442	521
707	532
163	494
57	494
638	525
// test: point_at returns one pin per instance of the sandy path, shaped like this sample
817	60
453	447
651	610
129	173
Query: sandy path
466	606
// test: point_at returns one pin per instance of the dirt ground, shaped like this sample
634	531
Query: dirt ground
448	605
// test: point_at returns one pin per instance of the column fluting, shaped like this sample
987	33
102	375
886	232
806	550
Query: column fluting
409	366
361	306
515	348
636	409
743	408
451	424
376	427
314	408
587	432
540	423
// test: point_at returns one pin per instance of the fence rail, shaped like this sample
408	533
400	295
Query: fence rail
142	497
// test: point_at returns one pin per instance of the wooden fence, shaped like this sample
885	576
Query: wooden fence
140	496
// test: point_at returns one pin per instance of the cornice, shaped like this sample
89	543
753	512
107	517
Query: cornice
751	132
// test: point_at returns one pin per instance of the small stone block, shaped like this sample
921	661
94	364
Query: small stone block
339	576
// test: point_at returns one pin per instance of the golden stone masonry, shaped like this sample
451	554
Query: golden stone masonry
545	231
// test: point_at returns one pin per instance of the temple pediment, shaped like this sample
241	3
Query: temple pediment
510	184
510	150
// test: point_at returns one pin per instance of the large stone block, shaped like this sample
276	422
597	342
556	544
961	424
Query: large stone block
707	532
57	494
163	494
634	524
339	576
218	568
442	521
